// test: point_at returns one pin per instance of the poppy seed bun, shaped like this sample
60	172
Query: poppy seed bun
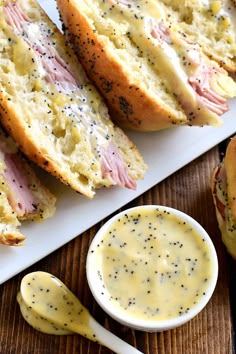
53	111
146	70
223	185
22	195
210	23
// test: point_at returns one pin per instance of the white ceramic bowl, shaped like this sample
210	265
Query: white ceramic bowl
95	276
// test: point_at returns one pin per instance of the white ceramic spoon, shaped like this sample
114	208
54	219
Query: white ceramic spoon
49	306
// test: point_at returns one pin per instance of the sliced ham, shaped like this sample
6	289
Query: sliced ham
17	177
203	79
160	32
58	72
20	196
201	82
205	73
113	167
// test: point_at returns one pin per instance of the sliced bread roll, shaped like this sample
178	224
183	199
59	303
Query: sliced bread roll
224	195
151	75
210	23
22	195
52	110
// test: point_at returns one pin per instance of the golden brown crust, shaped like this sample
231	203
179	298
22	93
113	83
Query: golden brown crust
13	238
19	132
220	209
129	102
43	201
141	93
215	188
49	126
225	62
26	141
213	182
223	182
230	166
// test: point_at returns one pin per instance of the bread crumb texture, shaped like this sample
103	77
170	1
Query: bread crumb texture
151	73
53	111
211	23
22	195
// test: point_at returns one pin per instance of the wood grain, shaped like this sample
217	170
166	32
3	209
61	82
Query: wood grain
210	332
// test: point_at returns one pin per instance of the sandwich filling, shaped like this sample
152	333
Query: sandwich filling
224	212
18	182
22	196
198	73
19	194
199	84
105	163
211	23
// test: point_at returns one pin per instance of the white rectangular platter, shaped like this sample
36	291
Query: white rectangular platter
165	152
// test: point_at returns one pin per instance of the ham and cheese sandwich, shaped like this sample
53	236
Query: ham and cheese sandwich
53	111
211	23
152	75
224	195
22	195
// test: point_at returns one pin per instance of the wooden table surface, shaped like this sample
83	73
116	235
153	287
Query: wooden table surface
212	331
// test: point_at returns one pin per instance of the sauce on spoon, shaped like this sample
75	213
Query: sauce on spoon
47	296
38	322
49	306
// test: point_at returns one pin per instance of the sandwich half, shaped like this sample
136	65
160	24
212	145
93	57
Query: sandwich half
53	111
152	75
223	186
22	195
210	23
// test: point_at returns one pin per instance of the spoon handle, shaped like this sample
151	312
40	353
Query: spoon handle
111	341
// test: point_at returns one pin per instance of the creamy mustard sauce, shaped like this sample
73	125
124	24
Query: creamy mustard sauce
48	306
38	322
165	51
181	63
139	18
154	265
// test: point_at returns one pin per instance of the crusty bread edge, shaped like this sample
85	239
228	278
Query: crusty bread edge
230	167
226	63
21	134
130	105
14	238
226	236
